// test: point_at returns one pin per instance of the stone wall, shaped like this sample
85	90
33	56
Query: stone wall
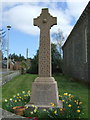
76	50
88	45
7	78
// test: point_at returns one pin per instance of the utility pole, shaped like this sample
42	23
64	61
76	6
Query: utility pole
8	27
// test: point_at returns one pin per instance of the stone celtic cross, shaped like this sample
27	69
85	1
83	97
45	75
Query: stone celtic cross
45	21
44	88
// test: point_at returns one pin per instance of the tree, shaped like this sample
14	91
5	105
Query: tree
59	39
56	61
2	40
16	57
34	64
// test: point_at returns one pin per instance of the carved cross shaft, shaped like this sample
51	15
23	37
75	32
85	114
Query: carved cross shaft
45	21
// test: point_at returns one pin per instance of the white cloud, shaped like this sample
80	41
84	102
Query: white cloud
76	7
21	15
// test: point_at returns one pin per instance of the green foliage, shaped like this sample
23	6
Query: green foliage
65	83
20	99
56	61
34	64
16	57
72	107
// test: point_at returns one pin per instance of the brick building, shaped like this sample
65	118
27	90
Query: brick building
76	49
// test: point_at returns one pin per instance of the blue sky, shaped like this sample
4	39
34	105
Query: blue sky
20	16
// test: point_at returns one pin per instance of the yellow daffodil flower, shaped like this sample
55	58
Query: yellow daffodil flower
60	96
78	107
52	104
10	99
33	106
15	101
28	91
44	109
31	112
35	110
18	94
69	105
6	100
65	94
61	109
75	101
23	91
72	96
26	107
80	103
63	100
55	111
78	111
69	94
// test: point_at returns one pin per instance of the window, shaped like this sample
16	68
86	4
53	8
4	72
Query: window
85	44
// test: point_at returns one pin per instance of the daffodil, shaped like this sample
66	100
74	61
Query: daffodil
78	107
69	105
18	94
72	96
65	94
69	94
6	100
44	109
80	103
61	109
55	111
35	110
63	100
75	101
10	99
15	101
28	91
78	110
33	106
52	104
23	91
31	112
26	107
19	100
60	96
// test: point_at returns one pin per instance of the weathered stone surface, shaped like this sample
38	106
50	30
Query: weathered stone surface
45	21
76	49
44	89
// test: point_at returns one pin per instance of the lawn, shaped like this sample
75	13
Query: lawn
65	84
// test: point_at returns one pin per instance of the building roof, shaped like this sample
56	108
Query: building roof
84	13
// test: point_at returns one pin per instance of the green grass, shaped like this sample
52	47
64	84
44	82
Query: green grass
65	84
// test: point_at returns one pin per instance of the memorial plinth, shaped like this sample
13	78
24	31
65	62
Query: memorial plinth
44	88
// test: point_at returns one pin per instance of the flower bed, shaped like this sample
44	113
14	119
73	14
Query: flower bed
72	107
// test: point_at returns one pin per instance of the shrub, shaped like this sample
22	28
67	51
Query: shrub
17	100
72	107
